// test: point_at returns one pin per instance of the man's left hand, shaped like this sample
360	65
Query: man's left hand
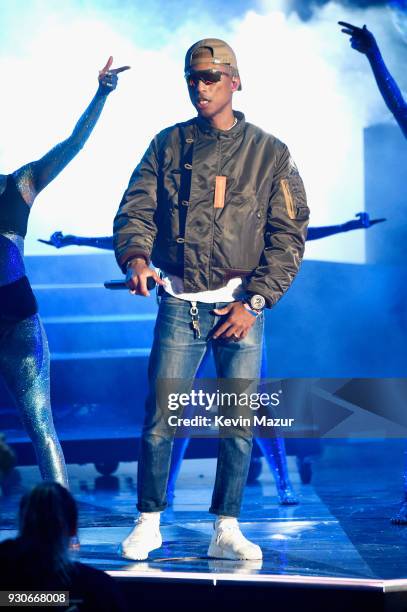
237	325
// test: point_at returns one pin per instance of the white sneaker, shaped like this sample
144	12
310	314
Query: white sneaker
228	542
143	538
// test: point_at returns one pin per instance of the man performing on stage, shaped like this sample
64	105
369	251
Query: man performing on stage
219	206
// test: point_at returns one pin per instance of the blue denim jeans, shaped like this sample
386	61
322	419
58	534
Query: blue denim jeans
177	353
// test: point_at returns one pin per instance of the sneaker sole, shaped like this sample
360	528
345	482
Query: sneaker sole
141	554
216	552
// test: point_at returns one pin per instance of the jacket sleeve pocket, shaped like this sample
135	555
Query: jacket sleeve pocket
293	191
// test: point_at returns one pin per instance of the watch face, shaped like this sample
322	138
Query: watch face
257	302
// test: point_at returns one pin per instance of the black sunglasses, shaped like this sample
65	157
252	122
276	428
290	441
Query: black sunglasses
208	77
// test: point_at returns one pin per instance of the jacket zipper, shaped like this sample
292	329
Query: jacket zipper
218	147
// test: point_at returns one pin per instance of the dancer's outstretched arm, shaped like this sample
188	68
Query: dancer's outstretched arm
363	41
363	221
34	176
59	240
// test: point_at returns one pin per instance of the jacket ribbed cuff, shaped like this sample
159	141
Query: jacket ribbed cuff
129	255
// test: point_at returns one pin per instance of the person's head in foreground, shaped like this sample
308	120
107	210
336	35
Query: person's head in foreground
48	519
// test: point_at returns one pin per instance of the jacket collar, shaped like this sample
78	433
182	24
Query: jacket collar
205	127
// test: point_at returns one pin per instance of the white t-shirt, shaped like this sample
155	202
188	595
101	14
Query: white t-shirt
231	292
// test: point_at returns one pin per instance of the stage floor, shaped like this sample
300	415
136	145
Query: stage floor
339	533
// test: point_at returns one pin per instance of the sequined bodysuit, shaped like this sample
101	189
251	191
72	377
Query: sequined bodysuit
24	354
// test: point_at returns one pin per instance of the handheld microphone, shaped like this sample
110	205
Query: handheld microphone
120	284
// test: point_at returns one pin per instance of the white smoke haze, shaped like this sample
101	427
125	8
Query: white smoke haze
301	82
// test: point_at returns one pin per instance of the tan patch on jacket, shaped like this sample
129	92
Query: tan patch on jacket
220	190
288	198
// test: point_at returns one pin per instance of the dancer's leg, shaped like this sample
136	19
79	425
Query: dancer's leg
273	450
401	517
24	364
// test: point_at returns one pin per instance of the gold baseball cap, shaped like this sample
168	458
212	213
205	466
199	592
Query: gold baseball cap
219	50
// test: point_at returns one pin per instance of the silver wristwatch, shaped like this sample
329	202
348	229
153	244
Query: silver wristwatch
256	302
